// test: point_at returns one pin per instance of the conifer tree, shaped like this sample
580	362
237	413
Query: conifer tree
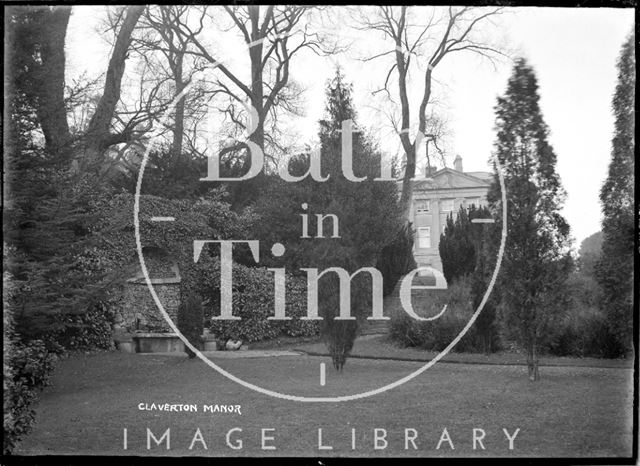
535	262
465	251
48	214
367	218
615	269
456	247
485	262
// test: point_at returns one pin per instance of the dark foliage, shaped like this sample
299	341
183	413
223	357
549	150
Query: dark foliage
367	215
615	268
438	334
486	325
536	261
465	251
168	175
191	322
459	242
25	368
396	258
48	220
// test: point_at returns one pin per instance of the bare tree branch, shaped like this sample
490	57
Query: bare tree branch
456	36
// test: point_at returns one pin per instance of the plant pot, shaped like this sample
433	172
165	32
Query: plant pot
209	342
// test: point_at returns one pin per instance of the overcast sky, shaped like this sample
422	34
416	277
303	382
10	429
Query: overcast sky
573	52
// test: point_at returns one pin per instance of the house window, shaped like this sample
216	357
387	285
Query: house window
446	205
422	207
473	201
424	237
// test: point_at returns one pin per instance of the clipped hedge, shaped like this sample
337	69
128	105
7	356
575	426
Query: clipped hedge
253	302
191	322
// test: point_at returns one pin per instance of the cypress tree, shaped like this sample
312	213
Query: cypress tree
456	247
366	214
465	251
191	322
368	217
485	262
536	259
615	268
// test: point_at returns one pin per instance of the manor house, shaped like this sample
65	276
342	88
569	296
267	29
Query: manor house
436	194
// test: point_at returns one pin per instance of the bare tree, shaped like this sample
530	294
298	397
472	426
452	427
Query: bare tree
38	36
81	98
272	37
47	28
164	56
450	32
98	135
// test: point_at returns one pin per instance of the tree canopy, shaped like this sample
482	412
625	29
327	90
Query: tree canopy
366	217
615	269
536	254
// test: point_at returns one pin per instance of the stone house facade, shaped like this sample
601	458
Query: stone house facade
436	194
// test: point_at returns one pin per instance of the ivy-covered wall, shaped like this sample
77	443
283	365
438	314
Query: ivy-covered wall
139	311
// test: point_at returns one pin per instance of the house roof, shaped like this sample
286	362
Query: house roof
448	178
482	175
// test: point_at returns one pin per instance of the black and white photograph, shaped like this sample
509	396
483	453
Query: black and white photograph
320	232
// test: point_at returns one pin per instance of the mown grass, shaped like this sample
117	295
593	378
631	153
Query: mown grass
382	347
572	411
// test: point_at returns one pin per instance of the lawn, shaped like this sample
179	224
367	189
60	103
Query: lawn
572	411
382	347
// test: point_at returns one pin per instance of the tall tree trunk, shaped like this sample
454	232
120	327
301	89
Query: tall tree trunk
51	108
178	129
257	86
245	192
407	184
532	359
52	24
98	136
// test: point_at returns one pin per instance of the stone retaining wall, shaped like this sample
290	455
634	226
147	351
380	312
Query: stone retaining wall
139	310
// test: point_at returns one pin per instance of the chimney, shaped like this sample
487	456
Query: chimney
428	171
457	163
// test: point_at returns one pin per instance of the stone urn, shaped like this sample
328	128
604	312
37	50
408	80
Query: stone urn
233	345
118	322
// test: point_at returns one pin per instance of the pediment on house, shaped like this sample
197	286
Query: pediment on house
448	178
